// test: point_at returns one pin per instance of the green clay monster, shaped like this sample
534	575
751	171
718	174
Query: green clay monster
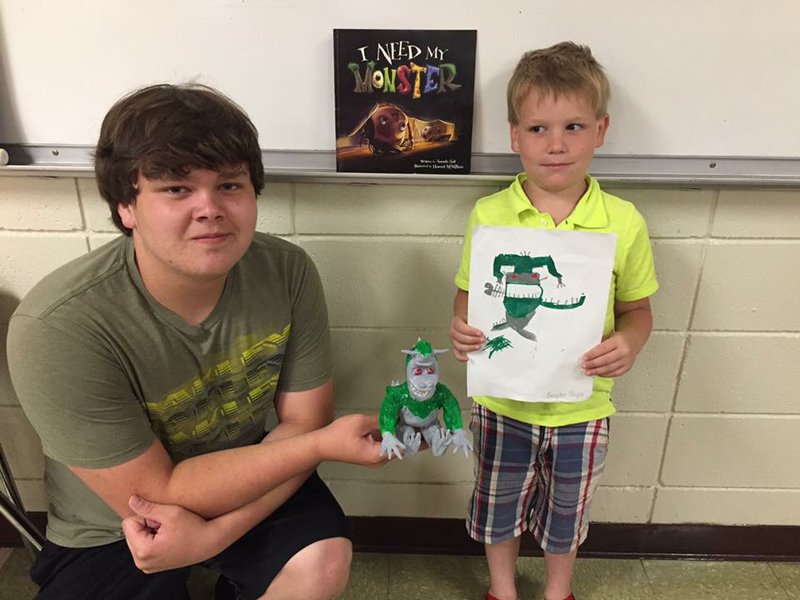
410	410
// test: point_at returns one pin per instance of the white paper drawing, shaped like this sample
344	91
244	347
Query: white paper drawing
540	297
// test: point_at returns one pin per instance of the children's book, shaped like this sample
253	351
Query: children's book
404	100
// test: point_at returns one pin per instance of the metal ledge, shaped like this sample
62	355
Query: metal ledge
76	161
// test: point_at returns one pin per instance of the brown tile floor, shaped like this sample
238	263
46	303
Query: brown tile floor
417	577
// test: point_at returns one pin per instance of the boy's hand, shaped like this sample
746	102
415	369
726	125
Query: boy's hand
354	439
157	536
612	357
464	338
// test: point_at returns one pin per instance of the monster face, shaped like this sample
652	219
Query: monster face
523	294
389	125
422	370
422	375
523	285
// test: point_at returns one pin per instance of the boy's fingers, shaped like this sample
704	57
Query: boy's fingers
464	339
462	344
145	508
602	361
602	348
461	327
598	363
613	368
464	349
460	356
133	525
472	347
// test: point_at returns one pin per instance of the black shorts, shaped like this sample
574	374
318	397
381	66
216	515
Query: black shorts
108	572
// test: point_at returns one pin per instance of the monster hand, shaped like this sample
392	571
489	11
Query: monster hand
461	441
411	440
390	444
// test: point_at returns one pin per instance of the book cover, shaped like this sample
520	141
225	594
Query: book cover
404	100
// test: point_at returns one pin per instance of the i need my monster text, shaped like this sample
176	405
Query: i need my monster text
408	78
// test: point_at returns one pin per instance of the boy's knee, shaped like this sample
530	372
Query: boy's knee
317	572
331	567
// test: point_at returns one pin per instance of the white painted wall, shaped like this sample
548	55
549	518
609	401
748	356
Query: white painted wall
690	77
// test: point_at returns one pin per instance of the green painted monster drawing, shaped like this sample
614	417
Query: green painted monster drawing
520	286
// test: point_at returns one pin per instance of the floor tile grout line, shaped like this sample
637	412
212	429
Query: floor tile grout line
388	575
650	585
780	580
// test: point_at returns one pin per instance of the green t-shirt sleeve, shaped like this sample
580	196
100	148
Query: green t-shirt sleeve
75	394
636	279
307	363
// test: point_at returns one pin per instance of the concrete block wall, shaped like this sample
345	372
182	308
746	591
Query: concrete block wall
708	421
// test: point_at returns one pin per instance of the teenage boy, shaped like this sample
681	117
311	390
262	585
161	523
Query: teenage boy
148	367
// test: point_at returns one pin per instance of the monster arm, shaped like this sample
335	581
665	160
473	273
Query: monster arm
505	260
524	264
387	419
452	420
450	408
390	409
547	261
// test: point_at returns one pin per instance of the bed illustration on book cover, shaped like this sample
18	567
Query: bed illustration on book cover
404	100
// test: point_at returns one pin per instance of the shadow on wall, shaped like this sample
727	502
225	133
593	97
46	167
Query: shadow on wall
8	305
10	130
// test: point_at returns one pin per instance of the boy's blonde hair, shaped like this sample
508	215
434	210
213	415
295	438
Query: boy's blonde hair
565	68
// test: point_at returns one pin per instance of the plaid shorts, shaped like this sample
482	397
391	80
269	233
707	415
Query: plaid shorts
535	478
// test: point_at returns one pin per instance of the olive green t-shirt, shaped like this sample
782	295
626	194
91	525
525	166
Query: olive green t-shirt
101	369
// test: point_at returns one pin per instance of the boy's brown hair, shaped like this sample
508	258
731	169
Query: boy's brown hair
566	68
168	130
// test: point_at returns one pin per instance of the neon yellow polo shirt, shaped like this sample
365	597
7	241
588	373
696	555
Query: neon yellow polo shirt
633	278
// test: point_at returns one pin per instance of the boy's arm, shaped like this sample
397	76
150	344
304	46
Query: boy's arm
463	337
219	482
615	355
156	534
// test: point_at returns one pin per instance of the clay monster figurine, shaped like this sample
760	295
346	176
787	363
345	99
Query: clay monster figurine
410	410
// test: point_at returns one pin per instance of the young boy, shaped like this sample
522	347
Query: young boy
539	463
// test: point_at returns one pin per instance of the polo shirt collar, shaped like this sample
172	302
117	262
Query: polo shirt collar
589	213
